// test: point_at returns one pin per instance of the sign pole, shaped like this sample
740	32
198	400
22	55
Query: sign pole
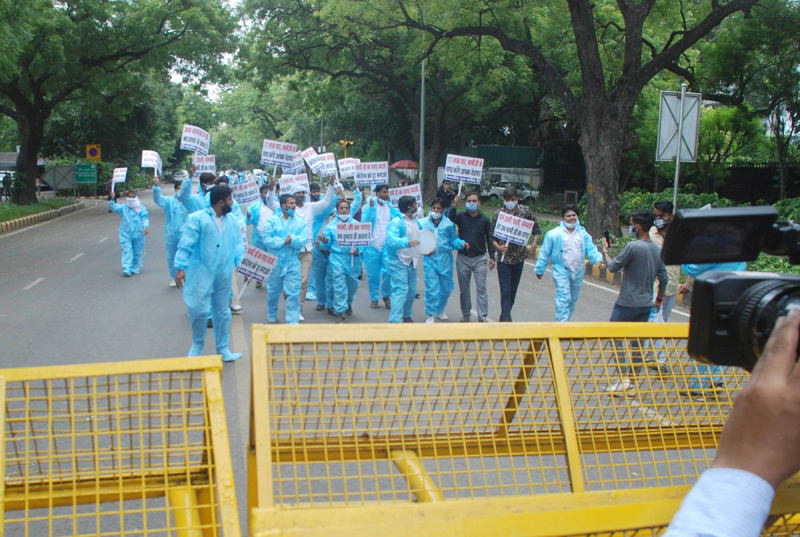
678	152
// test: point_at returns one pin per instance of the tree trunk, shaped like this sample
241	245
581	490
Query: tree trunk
31	134
603	130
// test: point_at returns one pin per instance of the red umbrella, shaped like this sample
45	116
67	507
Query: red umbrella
405	165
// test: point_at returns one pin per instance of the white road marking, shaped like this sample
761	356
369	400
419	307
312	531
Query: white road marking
104	239
74	258
31	285
606	289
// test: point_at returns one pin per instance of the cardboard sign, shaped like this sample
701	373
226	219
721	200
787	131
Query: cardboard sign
204	164
195	139
257	264
372	173
151	159
513	229
351	234
312	159
411	190
289	182
328	164
245	192
347	166
463	169
120	174
280	154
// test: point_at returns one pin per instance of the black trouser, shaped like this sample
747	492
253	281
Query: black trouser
509	277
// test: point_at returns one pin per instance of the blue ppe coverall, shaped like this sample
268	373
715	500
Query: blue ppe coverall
376	260
343	267
254	214
403	277
285	276
707	377
209	257
174	217
438	268
320	275
192	202
131	235
568	285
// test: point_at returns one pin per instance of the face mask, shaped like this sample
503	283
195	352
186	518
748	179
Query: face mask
205	188
344	217
570	226
226	209
472	207
660	223
380	202
435	215
290	212
632	229
134	204
510	205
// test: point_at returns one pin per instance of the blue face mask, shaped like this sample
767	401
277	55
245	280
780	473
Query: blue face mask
472	207
631	229
290	212
510	205
435	215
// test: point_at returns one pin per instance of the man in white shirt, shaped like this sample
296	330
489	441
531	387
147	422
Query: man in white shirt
307	212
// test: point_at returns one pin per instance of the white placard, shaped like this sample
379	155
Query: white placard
151	159
204	164
411	190
280	154
513	229
463	169
288	182
312	159
328	164
257	264
195	139
245	192
351	234
120	174
298	165
347	166
372	173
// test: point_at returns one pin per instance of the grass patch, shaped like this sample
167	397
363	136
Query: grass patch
11	211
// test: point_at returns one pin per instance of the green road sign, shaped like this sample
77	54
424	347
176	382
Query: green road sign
86	173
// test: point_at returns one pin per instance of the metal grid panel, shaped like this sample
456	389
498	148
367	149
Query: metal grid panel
341	412
130	452
663	430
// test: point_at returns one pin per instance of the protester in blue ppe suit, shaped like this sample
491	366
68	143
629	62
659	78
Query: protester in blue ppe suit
257	214
707	377
439	265
379	212
174	218
402	242
195	202
320	274
284	236
210	248
344	263
567	246
133	226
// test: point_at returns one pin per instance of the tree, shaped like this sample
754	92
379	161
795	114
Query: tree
597	70
95	50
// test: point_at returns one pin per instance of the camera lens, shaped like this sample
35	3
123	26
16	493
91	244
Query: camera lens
756	312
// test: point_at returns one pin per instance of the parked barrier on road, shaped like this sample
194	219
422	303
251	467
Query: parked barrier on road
131	448
369	418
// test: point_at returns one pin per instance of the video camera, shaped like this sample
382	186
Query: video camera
733	313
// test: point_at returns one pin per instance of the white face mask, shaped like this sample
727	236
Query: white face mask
570	226
510	205
134	204
435	215
344	217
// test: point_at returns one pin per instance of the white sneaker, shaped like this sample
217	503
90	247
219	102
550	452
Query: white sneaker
442	316
302	318
619	388
172	283
430	320
235	308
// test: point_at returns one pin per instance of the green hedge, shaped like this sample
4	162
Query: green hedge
636	199
11	211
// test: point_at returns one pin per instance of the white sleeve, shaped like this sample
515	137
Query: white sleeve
325	203
723	503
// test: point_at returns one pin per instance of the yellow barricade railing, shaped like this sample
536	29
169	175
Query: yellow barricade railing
369	418
131	448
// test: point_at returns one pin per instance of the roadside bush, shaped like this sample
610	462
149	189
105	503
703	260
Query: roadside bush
636	199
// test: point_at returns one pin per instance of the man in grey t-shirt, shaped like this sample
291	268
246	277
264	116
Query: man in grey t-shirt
641	260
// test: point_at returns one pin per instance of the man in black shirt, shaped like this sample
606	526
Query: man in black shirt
474	228
445	194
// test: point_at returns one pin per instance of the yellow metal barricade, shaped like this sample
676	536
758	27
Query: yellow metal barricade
132	448
610	421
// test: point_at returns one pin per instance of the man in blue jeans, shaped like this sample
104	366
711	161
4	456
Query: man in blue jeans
641	260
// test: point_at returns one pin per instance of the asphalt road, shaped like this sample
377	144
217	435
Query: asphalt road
64	300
